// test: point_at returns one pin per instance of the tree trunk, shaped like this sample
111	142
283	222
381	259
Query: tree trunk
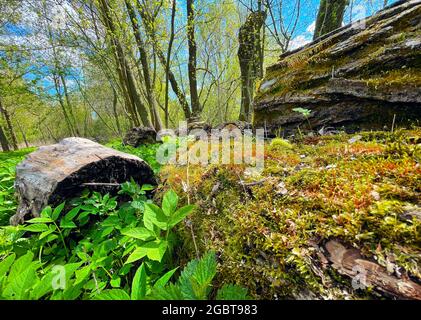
115	113
125	73
194	96
171	77
56	172
22	132
249	58
167	66
3	140
330	16
69	105
9	126
145	67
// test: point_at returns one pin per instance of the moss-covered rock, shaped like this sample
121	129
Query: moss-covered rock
363	76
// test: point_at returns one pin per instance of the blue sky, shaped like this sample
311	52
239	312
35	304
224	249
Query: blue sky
306	23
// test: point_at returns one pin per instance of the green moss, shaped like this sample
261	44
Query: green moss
267	234
280	144
312	67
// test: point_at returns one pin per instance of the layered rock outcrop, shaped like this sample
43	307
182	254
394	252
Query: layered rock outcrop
366	75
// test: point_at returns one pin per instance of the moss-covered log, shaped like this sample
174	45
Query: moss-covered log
366	75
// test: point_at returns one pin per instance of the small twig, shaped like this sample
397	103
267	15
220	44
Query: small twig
393	122
252	184
100	184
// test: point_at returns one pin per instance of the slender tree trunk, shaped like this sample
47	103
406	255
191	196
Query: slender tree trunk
194	96
126	74
69	105
147	23
145	67
63	106
117	121
22	132
330	16
167	66
9	126
3	140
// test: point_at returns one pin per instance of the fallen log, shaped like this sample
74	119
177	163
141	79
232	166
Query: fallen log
61	171
350	262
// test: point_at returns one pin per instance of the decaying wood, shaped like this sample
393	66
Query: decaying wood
56	172
350	262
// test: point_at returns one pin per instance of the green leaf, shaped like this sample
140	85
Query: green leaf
139	283
161	282
138	233
196	279
82	274
169	202
43	287
36	228
72	214
113	294
6	263
57	211
169	292
232	292
46	213
180	214
65	224
45	234
40	220
138	254
115	281
154	250
147	187
153	215
18	286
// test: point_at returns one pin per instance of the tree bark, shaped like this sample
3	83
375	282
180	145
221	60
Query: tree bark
192	65
9	126
350	262
56	172
3	140
25	140
125	74
249	58
145	67
167	66
330	16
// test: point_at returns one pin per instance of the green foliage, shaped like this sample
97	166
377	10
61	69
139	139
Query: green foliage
195	283
8	162
95	249
146	152
305	112
105	240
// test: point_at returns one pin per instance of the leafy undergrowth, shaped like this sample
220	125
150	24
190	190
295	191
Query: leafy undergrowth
95	248
146	152
362	190
8	162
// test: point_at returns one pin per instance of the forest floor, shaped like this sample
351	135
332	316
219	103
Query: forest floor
362	190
